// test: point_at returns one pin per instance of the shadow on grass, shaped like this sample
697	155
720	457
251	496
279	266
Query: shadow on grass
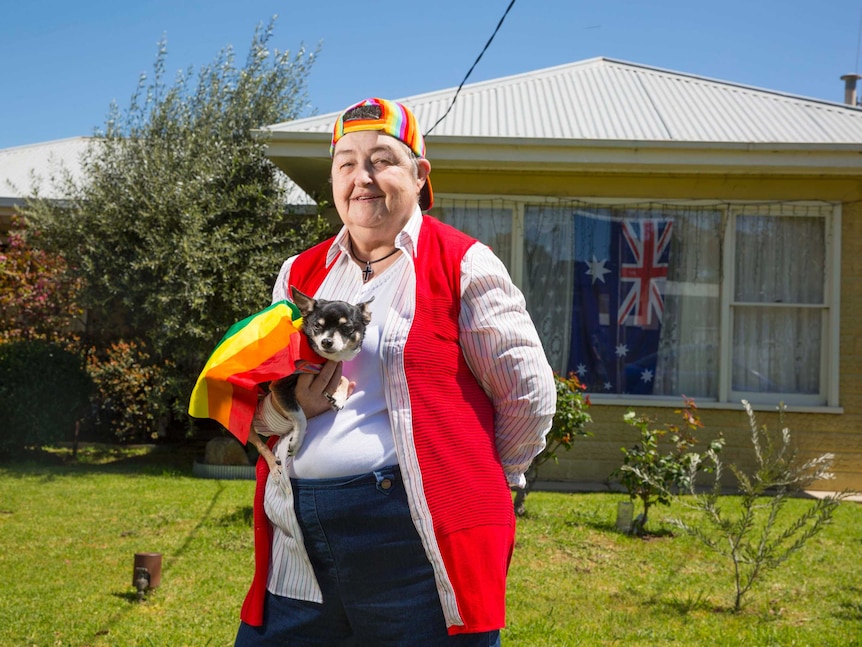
601	523
592	520
850	608
683	606
98	458
130	597
242	517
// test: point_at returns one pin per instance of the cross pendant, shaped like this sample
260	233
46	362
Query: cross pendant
367	272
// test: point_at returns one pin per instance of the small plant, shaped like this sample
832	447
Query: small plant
653	476
757	539
569	423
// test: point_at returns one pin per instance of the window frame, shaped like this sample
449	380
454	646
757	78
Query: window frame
826	400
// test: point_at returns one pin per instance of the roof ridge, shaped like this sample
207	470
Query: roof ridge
604	98
50	142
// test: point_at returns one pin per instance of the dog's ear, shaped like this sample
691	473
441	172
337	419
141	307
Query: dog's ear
303	302
366	313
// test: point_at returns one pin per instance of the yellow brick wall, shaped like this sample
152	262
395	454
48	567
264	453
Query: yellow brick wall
592	460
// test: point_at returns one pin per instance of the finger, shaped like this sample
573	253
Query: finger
304	380
323	379
335	379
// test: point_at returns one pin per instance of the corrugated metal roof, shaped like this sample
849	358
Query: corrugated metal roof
606	99
23	168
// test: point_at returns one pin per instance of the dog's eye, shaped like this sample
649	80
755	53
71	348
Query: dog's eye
347	330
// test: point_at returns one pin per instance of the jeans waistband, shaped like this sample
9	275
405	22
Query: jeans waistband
376	477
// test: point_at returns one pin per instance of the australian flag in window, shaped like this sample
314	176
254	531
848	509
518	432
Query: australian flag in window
621	265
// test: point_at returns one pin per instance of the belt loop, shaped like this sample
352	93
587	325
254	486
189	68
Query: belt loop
385	479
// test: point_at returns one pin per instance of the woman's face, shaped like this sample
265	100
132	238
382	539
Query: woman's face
376	181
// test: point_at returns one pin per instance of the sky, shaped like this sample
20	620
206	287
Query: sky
62	64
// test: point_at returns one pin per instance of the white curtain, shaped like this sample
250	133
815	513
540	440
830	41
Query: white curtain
778	302
688	361
549	270
778	291
489	223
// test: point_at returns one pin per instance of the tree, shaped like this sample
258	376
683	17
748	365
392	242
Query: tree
178	225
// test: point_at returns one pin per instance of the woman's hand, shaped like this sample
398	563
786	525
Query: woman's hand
316	393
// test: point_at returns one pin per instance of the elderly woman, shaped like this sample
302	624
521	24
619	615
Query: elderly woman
396	526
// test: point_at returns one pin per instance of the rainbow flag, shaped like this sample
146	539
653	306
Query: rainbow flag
265	346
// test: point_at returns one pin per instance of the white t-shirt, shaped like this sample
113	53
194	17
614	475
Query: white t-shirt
357	439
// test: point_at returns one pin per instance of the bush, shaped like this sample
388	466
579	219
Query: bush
130	402
38	292
570	421
760	537
44	392
654	476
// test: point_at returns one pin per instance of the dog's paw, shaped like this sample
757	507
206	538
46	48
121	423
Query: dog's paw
337	400
275	472
339	397
293	439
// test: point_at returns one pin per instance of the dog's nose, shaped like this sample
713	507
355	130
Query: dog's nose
326	343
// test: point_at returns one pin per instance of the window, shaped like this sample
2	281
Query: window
718	302
779	314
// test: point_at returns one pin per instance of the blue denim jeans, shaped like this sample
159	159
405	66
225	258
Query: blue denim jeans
378	585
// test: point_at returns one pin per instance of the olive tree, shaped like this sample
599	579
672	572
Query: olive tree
178	223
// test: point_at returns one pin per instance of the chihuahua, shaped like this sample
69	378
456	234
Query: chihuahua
335	331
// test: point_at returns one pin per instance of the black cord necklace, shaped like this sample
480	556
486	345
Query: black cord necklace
368	271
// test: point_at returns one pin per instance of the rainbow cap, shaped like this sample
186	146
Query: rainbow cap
394	119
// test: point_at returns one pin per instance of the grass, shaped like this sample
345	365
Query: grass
69	530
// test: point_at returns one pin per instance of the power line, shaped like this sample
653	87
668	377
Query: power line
499	24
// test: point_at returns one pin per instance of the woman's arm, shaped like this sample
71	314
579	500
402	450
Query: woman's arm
502	347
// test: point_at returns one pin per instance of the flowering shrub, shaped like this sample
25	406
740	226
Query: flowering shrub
38	296
653	476
130	404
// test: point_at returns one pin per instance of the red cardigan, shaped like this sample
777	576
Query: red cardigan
453	435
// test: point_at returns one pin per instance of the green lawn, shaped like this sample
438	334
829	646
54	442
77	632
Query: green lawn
69	532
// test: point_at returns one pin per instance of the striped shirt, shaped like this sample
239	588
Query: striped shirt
502	349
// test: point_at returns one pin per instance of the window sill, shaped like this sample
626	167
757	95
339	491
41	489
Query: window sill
664	402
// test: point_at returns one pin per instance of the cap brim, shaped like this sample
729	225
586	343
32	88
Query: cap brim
426	196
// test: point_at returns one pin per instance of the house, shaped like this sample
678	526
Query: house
672	235
24	170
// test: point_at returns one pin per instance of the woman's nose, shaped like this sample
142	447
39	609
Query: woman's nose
364	174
